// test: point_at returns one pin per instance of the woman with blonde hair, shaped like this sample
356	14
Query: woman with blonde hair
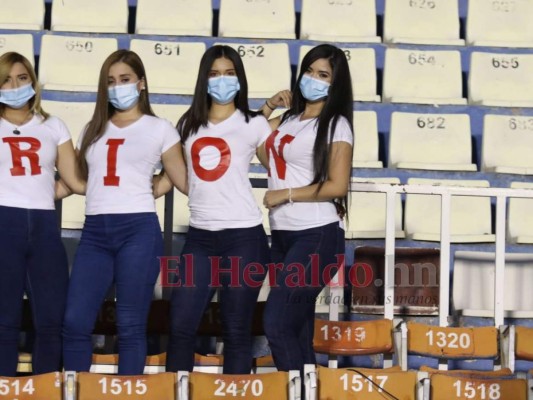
32	145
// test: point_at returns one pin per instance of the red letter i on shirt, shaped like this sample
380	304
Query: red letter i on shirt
111	179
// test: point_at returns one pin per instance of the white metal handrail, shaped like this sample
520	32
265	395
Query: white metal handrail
446	192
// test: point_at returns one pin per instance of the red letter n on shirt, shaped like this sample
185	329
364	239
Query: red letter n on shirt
17	153
279	161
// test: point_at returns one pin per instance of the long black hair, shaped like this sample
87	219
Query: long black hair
339	103
197	115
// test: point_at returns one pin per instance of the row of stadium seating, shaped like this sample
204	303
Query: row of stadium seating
488	23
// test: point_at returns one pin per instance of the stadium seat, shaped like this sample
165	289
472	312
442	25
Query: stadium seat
423	77
92	386
506	144
267	65
440	386
45	386
22	14
520	218
75	115
501	80
430	141
422	22
362	62
470	216
21	43
171	112
171	67
478	299
259	194
95	16
273	19
365	152
366	213
361	383
275	385
355	21
81	61
171	17
499	23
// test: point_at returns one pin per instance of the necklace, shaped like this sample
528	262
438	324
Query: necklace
16	131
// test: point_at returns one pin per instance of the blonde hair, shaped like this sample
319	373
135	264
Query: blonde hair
7	61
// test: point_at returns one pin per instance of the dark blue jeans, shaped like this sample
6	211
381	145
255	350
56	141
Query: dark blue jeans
209	251
114	248
290	309
32	259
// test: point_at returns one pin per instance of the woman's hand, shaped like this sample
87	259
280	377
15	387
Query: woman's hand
274	198
281	99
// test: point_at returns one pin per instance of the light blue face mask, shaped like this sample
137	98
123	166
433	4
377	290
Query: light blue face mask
123	97
18	97
313	89
223	89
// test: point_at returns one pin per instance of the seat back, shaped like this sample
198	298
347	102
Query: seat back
520	218
171	17
22	14
257	19
355	21
44	386
524	343
503	80
171	66
20	43
430	141
90	16
423	76
424	22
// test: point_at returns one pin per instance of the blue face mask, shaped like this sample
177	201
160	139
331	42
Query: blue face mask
223	89
123	97
17	98
313	89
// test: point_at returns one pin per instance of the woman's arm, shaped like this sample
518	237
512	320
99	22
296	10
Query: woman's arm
335	186
70	181
280	99
175	172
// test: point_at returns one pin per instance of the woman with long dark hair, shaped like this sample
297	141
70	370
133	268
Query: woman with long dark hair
309	154
121	239
226	237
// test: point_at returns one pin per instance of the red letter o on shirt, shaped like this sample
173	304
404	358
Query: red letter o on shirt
210	175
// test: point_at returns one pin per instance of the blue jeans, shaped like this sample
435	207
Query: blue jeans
121	249
237	302
290	309
34	260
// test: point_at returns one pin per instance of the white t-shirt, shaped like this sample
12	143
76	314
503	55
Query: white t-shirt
218	160
27	162
290	158
122	163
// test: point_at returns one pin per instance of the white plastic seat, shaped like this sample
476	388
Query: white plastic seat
507	144
362	63
430	141
422	22
21	43
267	65
171	17
499	23
502	80
470	216
81	61
365	152
259	194
22	14
367	212
95	16
354	21
171	67
473	284
520	217
274	19
423	77
75	115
